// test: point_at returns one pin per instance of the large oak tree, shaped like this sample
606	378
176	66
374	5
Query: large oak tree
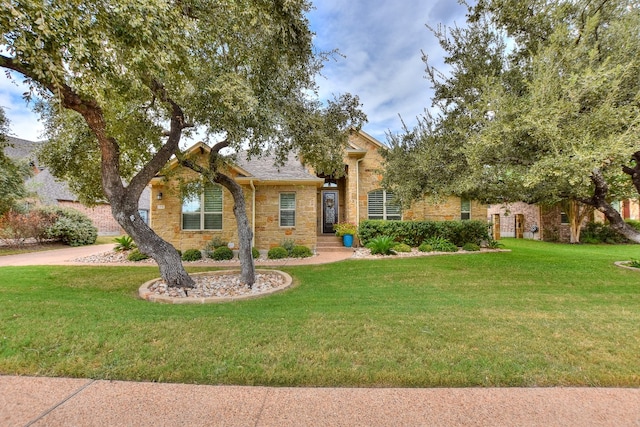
123	81
545	111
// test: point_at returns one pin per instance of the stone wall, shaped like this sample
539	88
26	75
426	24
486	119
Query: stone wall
508	214
446	210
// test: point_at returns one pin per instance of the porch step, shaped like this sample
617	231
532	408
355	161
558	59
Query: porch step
331	243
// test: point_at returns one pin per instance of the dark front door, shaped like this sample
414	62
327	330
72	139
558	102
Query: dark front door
329	210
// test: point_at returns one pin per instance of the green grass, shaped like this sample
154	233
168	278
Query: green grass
541	315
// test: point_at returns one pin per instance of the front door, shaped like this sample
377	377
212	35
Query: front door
329	210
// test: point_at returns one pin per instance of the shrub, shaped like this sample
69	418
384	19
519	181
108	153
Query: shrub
440	244
124	243
192	255
425	247
16	227
222	253
635	263
136	255
214	244
382	245
301	252
494	244
255	253
413	233
471	247
598	232
70	226
401	247
277	252
288	245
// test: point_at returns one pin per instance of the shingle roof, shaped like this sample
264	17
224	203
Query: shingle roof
264	168
21	149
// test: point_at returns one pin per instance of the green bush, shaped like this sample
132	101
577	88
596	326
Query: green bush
288	244
635	263
222	253
598	232
382	245
124	243
471	247
402	247
192	255
301	252
440	244
214	244
136	255
425	247
70	226
277	252
255	253
413	233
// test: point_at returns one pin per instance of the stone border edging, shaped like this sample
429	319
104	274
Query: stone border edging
622	264
150	296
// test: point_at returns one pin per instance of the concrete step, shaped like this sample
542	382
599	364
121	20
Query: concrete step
331	243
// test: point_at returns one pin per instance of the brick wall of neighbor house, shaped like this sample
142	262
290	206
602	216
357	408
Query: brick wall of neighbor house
100	215
552	228
507	218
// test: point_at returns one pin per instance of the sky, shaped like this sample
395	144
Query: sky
380	44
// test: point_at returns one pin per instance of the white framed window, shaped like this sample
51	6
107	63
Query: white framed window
203	211
287	209
381	206
564	218
465	209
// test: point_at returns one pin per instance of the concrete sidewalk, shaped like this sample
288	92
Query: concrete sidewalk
28	401
38	401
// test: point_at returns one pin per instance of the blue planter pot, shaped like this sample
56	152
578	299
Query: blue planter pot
347	240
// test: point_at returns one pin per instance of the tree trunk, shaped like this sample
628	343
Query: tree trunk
167	257
576	212
245	235
599	202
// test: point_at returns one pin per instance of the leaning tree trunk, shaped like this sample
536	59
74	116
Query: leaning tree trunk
149	243
245	235
599	202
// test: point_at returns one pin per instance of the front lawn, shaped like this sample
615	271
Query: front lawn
541	315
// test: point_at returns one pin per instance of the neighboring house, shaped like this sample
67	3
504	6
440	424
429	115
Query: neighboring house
291	203
549	223
51	191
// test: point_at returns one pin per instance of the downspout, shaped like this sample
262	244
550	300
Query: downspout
253	214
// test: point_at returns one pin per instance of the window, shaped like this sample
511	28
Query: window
381	206
564	218
204	211
465	209
287	209
144	214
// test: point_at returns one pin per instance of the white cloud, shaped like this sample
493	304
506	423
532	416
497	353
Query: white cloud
23	123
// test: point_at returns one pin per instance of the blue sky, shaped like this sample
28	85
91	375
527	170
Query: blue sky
380	42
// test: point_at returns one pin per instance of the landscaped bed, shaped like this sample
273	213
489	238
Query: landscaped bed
540	315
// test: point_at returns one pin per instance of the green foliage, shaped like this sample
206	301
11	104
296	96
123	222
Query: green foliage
124	243
277	252
222	253
441	244
494	244
135	255
413	233
401	247
635	263
192	255
599	232
344	228
425	247
382	245
301	252
288	244
471	247
71	227
214	244
255	253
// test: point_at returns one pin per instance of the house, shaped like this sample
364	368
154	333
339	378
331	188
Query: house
48	190
549	223
289	203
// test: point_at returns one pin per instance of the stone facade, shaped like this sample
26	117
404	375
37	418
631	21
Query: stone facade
363	174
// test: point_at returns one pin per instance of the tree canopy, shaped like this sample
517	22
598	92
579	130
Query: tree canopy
123	81
12	174
544	110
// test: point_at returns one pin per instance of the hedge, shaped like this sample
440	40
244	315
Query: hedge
414	233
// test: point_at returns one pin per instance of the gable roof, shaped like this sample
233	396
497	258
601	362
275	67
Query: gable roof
21	149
